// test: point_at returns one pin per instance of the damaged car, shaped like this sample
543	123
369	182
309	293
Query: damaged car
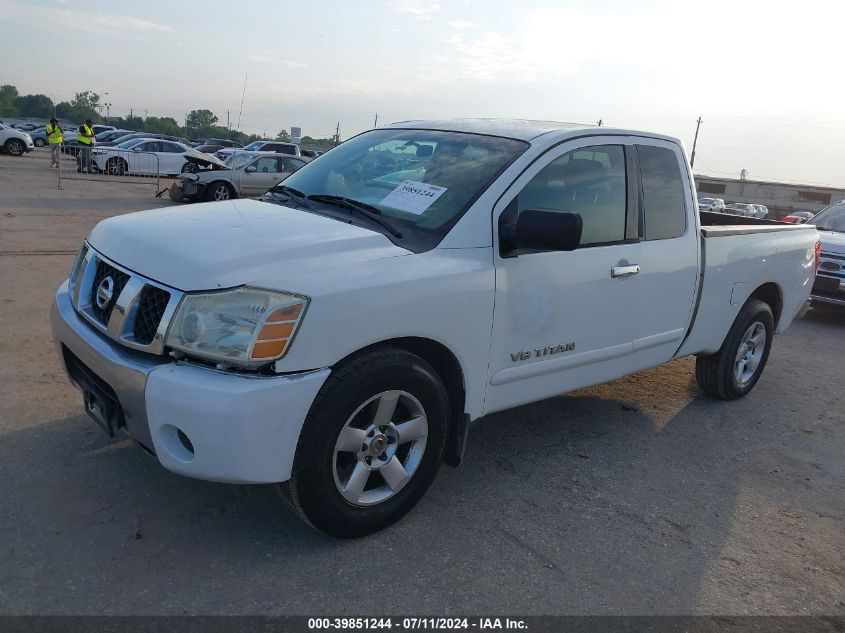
241	176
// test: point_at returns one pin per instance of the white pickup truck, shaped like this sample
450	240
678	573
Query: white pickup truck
339	335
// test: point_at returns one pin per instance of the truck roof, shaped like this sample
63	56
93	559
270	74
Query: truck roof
520	129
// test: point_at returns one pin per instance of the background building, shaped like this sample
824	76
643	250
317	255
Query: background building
781	198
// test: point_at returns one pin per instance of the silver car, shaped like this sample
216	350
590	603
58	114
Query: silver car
245	174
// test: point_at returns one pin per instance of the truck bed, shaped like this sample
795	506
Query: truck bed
748	255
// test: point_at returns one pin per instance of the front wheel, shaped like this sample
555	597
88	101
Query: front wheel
219	191
15	147
39	142
370	445
733	371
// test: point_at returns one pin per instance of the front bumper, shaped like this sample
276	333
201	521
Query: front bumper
241	429
828	289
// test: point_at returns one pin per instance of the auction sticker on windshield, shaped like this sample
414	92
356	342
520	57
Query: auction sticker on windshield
413	197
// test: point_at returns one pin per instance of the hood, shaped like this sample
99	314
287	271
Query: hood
227	244
205	160
832	242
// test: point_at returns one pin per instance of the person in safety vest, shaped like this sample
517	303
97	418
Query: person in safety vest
85	138
54	138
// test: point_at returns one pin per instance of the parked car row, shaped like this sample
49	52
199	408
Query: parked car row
743	209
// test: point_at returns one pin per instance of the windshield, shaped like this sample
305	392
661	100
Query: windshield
832	218
423	180
706	201
130	143
254	145
236	161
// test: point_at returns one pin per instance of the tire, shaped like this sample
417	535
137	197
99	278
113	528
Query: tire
396	467
15	147
39	142
116	167
219	191
733	371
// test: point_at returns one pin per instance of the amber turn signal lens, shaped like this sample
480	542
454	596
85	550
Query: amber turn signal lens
275	330
290	313
268	349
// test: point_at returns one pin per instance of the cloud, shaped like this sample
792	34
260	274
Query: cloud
460	24
269	57
62	20
420	9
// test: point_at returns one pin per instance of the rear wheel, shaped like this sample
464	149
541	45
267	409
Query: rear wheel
733	371
218	191
15	147
370	445
39	142
116	167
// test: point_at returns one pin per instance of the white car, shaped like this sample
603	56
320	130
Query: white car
762	212
340	335
15	142
712	205
243	175
279	147
143	156
741	209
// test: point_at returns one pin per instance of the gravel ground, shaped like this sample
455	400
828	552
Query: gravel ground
642	496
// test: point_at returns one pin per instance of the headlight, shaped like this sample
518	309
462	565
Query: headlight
246	326
76	271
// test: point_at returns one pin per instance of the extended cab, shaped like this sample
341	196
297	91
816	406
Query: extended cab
339	335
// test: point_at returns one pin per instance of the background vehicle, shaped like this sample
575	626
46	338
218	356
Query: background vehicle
829	286
799	217
741	209
761	213
243	175
713	205
220	142
261	146
15	142
132	157
309	153
358	338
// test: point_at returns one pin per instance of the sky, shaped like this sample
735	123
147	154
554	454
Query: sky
765	77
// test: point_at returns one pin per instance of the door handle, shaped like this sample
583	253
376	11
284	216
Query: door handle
624	271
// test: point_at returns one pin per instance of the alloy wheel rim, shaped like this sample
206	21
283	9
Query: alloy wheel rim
15	148
380	448
750	353
221	193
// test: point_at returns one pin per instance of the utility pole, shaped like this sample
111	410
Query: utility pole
146	113
375	123
692	157
228	127
600	122
337	135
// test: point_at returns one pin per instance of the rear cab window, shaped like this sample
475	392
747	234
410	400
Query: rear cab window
663	193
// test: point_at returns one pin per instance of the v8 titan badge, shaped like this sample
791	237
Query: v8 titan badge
413	197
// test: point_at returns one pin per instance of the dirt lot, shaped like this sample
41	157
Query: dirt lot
642	496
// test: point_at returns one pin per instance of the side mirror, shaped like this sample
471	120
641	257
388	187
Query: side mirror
251	169
537	230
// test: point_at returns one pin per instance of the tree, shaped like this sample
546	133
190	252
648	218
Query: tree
40	106
86	100
200	119
8	97
283	136
163	125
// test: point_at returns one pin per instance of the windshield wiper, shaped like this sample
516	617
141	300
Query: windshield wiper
363	208
294	194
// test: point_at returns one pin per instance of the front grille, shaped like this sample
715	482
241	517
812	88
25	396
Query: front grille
137	309
151	306
119	279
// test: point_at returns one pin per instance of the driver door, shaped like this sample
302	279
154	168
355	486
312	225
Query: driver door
562	319
260	175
